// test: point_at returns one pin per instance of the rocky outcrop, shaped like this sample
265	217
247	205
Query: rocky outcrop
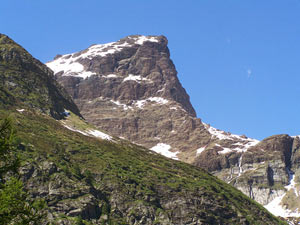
74	198
266	169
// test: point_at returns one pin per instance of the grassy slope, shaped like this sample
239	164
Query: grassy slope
126	166
26	81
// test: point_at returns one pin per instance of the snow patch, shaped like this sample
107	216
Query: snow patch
141	39
69	68
275	206
110	76
296	136
100	134
136	78
292	183
242	141
200	150
158	100
225	151
222	135
277	209
70	63
164	149
75	130
125	107
103	49
94	133
245	147
140	103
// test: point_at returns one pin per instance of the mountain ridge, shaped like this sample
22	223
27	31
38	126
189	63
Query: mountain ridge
131	94
88	177
26	82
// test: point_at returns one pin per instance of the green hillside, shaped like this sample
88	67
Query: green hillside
86	180
26	82
119	182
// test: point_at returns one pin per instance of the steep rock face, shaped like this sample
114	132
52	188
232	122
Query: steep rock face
26	82
130	89
133	68
264	169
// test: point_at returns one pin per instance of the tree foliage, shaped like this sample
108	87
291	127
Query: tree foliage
9	161
16	207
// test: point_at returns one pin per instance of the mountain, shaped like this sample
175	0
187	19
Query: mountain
26	82
130	89
89	177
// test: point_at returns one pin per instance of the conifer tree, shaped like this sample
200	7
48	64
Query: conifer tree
16	207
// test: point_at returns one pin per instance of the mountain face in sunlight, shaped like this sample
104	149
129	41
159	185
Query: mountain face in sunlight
88	176
130	89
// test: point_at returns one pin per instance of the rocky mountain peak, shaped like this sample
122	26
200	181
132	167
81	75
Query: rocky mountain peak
130	89
4	39
129	71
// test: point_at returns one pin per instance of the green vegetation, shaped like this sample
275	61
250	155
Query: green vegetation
27	83
15	205
138	175
78	123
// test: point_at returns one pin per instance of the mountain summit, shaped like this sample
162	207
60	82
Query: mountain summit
139	65
130	89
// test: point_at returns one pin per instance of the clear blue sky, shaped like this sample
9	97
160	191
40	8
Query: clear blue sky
238	60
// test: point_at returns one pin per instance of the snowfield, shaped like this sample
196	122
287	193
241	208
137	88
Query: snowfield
71	66
244	142
91	133
164	149
275	206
